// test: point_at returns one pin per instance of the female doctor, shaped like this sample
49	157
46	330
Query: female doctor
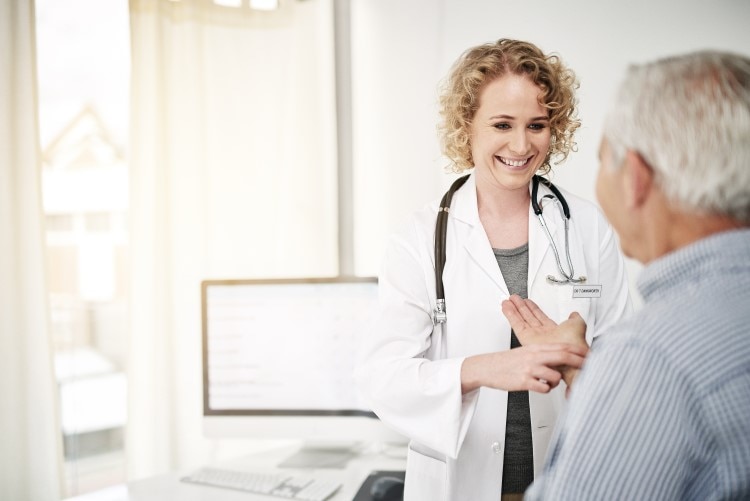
477	407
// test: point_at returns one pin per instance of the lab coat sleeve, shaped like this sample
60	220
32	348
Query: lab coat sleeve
418	397
615	303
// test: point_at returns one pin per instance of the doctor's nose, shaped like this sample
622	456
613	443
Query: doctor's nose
519	142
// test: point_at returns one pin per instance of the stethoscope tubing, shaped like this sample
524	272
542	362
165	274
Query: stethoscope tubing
441	230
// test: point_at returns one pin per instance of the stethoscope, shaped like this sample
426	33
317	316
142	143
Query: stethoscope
441	228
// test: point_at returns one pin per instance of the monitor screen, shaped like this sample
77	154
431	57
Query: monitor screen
279	356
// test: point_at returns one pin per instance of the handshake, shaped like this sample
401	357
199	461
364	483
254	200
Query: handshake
549	353
534	328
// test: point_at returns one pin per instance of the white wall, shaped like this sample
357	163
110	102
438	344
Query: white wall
402	49
395	67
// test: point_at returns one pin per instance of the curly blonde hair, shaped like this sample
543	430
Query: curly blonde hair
459	97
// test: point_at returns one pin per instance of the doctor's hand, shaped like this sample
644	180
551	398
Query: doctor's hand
533	327
526	368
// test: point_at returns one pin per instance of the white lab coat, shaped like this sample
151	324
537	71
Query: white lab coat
411	373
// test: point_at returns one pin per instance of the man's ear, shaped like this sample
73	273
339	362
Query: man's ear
639	180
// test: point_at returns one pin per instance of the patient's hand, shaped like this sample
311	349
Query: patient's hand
532	327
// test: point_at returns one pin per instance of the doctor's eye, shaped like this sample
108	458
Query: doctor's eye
501	125
538	126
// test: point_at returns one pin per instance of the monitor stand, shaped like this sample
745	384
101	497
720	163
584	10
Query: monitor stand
320	455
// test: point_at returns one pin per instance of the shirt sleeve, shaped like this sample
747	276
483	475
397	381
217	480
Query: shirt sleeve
629	431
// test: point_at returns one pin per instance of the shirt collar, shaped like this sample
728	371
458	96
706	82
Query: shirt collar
698	261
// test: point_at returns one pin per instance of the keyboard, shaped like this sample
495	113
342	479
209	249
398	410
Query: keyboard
283	485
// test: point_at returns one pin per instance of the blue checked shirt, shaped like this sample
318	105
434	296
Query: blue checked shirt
661	409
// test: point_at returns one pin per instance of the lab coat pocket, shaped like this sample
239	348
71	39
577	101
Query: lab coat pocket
426	477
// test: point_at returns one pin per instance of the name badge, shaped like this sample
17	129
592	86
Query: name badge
586	291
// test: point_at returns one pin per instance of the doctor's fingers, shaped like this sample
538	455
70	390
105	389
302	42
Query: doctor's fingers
521	320
515	319
560	358
538	386
531	312
543	380
547	375
576	349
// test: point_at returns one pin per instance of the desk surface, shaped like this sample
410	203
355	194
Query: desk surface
169	486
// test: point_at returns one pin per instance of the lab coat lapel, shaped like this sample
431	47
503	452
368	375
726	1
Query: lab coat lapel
539	245
476	244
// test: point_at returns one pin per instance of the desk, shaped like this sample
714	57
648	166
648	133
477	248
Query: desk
169	487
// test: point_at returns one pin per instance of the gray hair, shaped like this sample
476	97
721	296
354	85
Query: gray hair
689	119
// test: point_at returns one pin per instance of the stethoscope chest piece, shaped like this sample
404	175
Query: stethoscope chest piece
554	280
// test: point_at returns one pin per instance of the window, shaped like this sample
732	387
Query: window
83	66
216	199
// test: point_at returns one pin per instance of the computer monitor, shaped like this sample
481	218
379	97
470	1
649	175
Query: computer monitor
279	356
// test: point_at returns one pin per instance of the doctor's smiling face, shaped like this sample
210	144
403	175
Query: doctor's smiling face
510	134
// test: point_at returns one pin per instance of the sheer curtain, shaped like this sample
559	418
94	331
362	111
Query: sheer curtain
233	165
31	450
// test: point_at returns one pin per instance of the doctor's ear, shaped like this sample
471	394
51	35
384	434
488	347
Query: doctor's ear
639	179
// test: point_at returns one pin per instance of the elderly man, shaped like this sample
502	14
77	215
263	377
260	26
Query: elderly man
661	409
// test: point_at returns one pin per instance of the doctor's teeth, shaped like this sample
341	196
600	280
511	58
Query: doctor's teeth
513	163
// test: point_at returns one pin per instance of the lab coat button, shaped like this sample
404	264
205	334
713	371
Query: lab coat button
497	448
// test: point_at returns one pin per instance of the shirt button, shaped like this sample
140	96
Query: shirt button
497	448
